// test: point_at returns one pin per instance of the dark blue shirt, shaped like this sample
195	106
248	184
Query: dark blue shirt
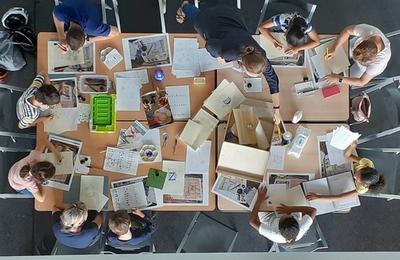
83	13
88	235
225	31
137	238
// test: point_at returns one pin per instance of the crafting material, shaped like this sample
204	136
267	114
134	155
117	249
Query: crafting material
156	178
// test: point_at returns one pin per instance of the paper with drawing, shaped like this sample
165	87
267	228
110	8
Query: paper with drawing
128	94
179	101
64	119
91	192
174	183
198	161
120	160
66	166
129	196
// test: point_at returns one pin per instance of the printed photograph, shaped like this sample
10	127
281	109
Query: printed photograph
193	191
157	109
93	84
67	87
290	179
326	168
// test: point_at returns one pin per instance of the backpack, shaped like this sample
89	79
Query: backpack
361	108
11	57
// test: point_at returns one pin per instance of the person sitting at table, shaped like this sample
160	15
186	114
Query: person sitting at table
299	33
127	230
76	19
228	39
371	53
28	174
72	228
287	225
366	178
35	100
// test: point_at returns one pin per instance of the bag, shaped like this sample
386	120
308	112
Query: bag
25	38
11	57
361	108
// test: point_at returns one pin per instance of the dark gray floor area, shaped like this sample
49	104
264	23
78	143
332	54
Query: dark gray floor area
373	226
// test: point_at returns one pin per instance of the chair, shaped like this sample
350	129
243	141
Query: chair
307	8
206	234
144	247
96	248
312	241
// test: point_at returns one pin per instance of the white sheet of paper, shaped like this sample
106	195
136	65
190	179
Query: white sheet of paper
58	59
276	159
129	196
342	183
290	197
128	94
252	85
198	161
120	160
112	59
335	155
152	136
179	101
185	62
91	192
84	112
190	134
65	119
139	74
319	186
175	181
343	137
67	164
270	49
208	62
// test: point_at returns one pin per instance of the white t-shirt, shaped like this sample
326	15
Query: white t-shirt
377	65
269	227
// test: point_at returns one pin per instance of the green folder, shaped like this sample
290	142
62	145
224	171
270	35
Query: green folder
156	178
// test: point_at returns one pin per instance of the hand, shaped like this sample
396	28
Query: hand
332	79
329	55
137	212
291	51
60	157
353	144
278	45
312	196
63	46
277	116
49	117
283	209
262	192
221	61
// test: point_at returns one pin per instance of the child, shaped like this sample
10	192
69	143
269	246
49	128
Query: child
296	29
228	39
366	178
80	18
37	98
72	228
27	175
371	53
290	226
128	229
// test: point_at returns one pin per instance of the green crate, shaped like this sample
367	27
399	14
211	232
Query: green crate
103	117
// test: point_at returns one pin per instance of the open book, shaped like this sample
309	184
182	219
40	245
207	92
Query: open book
333	185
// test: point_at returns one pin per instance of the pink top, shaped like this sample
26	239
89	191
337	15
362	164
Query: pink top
18	183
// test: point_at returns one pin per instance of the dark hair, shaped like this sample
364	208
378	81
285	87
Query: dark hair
296	36
47	94
75	37
119	222
371	177
365	51
252	59
41	171
289	229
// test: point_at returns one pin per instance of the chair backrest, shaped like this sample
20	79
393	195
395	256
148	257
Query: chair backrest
313	240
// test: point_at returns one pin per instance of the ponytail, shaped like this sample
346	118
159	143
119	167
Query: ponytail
253	60
296	34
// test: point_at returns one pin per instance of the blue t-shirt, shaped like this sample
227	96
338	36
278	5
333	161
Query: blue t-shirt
83	13
137	238
88	235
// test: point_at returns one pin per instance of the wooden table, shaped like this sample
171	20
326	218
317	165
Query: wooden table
198	93
315	107
94	144
307	163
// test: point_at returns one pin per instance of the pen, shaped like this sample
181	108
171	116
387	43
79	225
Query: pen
326	52
61	47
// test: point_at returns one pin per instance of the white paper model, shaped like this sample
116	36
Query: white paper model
154	196
94	84
326	168
73	62
147	51
240	191
63	144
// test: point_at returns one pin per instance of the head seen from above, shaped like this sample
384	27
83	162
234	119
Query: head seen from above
40	171
119	222
365	51
369	176
296	35
73	217
47	95
75	37
253	61
289	228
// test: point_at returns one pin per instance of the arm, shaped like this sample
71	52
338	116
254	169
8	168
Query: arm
267	34
313	42
358	82
39	195
54	150
283	209
113	33
98	220
343	37
60	29
338	197
273	83
348	153
254	221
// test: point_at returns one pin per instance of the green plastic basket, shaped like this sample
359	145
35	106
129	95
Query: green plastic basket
103	117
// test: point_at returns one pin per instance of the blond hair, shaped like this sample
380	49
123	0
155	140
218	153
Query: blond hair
71	216
119	222
252	59
365	51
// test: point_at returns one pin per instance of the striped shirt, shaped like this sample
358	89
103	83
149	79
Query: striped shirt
282	22
26	112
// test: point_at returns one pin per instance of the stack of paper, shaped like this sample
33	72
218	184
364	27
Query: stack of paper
278	194
185	63
119	160
131	138
91	192
277	155
128	94
179	101
139	74
343	137
208	62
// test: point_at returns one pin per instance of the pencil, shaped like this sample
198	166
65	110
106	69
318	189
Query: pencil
326	52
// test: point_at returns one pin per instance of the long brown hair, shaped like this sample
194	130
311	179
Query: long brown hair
365	51
252	59
40	171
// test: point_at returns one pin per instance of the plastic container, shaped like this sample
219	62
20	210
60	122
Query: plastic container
103	117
